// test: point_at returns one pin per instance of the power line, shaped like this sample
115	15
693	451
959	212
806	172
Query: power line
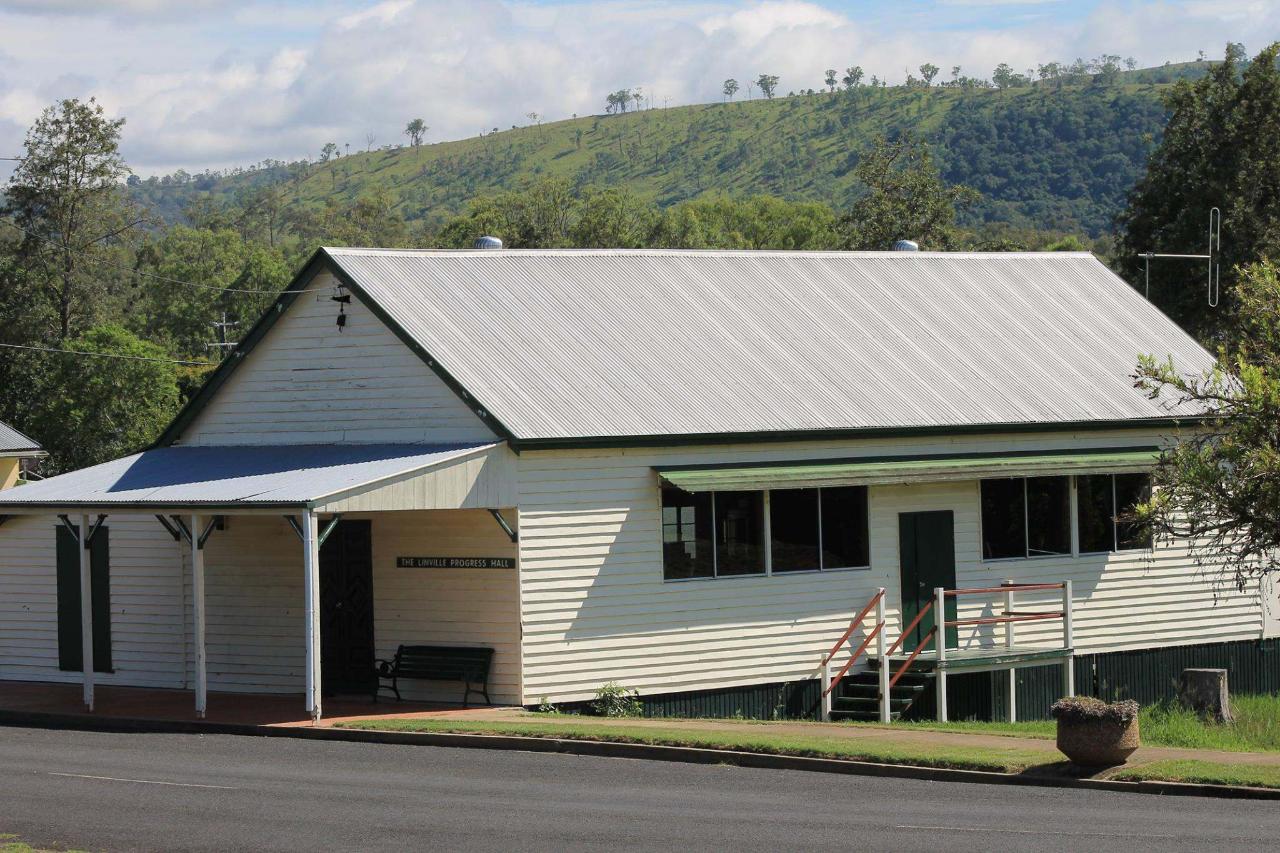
165	278
111	355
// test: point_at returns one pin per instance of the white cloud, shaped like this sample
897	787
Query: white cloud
266	81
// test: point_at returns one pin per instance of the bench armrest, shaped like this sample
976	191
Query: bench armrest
385	667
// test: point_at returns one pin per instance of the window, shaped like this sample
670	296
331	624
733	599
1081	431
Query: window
724	534
845	543
1106	503
739	522
1026	517
686	535
812	529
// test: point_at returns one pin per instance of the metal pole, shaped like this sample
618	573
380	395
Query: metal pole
940	643
86	610
311	589
198	622
881	644
1008	643
826	695
1068	643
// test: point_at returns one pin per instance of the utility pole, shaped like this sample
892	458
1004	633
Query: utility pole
222	345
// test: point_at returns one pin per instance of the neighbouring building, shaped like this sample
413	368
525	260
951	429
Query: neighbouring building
15	450
681	471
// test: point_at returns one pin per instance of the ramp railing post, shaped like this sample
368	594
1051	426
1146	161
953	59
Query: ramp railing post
1068	643
826	690
940	643
884	660
1008	644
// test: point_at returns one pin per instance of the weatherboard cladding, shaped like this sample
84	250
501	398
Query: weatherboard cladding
287	474
573	344
12	441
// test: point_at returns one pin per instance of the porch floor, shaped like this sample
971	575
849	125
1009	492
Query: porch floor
250	709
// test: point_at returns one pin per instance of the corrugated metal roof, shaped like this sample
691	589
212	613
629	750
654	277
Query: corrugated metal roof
916	469
12	441
233	475
610	343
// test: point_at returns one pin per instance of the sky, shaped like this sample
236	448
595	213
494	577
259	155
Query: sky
220	83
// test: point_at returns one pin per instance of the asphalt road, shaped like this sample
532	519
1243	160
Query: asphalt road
100	791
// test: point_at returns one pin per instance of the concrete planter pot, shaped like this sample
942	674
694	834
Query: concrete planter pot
1097	742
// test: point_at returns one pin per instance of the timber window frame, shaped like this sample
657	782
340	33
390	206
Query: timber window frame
1046	530
691	522
1111	517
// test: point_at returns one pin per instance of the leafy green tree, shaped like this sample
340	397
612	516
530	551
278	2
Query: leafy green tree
758	222
928	71
768	83
611	218
852	77
66	198
730	88
905	198
91	409
1220	149
830	79
1218	488
225	265
415	130
1004	77
537	217
372	219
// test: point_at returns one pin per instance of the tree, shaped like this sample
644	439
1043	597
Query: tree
617	102
730	88
329	151
767	83
415	130
852	77
65	197
757	222
92	409
830	79
928	71
1218	488
1219	148
904	198
1004	77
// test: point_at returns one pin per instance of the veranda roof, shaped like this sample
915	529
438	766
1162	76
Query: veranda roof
295	476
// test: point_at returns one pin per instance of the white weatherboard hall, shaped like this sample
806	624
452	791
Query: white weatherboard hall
724	479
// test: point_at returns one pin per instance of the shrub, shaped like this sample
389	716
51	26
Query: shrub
1084	709
614	700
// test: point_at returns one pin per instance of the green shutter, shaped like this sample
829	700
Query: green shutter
70	656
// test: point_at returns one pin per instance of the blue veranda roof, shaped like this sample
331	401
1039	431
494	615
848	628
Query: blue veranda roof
233	476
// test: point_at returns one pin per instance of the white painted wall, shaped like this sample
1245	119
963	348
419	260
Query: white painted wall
595	607
307	382
254	601
147	613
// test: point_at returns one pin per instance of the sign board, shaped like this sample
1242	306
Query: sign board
455	562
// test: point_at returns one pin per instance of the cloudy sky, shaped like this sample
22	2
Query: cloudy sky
216	83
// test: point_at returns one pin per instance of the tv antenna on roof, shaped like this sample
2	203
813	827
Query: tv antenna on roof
1215	248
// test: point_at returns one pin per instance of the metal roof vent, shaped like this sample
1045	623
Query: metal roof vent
487	242
906	246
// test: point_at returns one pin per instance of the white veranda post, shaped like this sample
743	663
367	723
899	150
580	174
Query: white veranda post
311	588
85	541
940	643
198	621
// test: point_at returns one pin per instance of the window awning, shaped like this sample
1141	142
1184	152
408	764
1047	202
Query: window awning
908	469
260	478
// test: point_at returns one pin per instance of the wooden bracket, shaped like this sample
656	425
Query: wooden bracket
85	541
324	534
506	527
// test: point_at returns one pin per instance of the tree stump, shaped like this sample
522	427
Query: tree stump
1205	692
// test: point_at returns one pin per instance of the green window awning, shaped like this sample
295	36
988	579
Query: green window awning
908	469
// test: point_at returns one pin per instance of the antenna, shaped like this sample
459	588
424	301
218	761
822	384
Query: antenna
1215	249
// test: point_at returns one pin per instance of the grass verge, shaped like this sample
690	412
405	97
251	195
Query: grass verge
1000	760
1203	772
1256	727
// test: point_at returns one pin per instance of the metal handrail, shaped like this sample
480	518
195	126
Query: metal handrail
923	642
1000	620
909	628
853	626
853	658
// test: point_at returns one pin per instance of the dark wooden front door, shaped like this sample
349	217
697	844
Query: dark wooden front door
927	559
346	609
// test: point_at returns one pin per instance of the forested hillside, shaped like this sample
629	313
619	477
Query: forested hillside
1051	157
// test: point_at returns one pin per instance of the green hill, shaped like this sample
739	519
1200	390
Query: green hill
1053	158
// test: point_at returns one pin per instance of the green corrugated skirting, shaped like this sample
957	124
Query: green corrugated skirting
1147	675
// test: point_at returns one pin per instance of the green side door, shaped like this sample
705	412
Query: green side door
927	560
